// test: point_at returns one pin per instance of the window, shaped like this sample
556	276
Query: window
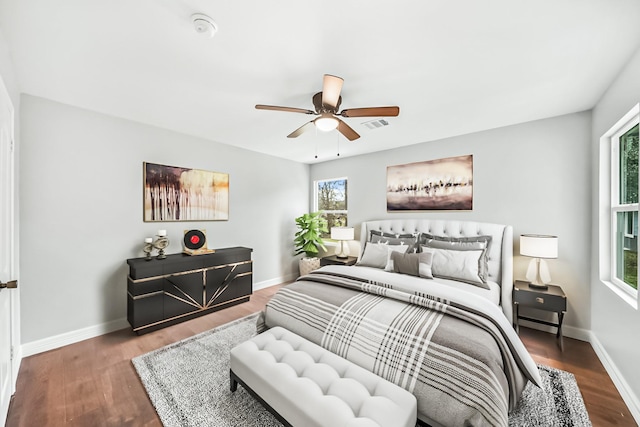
624	205
331	199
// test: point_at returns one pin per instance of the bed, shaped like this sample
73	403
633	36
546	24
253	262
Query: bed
427	307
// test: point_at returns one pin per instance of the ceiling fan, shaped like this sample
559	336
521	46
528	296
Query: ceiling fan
326	105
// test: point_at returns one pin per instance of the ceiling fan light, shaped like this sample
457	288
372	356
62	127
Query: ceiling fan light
326	123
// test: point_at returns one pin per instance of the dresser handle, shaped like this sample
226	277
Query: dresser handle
540	300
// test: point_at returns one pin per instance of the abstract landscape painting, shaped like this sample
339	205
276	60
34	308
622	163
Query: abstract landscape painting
443	184
181	194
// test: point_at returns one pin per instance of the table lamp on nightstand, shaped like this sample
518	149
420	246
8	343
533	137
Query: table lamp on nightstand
538	247
342	234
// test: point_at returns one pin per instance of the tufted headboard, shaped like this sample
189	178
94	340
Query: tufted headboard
500	256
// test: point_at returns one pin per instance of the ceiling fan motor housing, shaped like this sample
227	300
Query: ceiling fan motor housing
322	108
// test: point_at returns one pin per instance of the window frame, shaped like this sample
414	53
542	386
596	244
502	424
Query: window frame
630	120
338	211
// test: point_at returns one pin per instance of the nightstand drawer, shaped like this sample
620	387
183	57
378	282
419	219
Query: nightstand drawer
540	300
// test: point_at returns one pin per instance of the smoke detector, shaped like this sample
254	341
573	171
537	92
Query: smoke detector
204	25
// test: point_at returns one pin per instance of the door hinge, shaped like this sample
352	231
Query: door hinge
11	284
11	353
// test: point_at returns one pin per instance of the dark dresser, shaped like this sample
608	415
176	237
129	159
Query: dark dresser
180	287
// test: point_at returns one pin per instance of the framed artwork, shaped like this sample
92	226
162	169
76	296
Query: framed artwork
174	193
443	184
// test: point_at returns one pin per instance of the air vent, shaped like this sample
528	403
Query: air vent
375	124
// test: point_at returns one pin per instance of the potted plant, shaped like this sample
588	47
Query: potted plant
308	240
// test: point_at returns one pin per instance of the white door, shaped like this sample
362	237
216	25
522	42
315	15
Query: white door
9	298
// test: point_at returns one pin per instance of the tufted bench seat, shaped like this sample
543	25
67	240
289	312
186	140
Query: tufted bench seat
305	385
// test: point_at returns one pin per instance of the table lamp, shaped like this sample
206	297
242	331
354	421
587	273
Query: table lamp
342	234
538	247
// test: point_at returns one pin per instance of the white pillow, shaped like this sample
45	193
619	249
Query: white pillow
462	244
378	255
393	248
425	263
458	265
374	255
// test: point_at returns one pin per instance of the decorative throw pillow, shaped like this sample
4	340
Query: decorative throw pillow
390	250
459	265
460	244
376	236
374	255
453	242
418	264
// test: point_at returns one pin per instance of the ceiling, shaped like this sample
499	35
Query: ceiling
453	66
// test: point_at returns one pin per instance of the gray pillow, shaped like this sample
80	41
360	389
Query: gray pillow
376	236
454	243
418	264
391	249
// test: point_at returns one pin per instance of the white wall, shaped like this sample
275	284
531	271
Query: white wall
533	176
615	322
7	72
81	211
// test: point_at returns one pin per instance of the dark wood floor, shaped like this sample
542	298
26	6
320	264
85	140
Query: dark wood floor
93	383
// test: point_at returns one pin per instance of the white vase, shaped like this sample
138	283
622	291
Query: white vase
307	265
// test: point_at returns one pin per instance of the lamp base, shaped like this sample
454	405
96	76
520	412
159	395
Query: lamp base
344	251
539	287
538	274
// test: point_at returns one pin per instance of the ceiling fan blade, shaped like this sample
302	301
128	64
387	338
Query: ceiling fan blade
331	88
288	109
347	131
371	112
302	129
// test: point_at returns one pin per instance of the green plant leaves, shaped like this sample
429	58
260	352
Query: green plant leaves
307	239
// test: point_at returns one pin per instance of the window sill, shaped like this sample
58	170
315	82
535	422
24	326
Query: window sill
629	299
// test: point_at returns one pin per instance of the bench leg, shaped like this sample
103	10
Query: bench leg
233	381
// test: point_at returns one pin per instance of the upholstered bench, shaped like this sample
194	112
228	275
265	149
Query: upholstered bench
304	385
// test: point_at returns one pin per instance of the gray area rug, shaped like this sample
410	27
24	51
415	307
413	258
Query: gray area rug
188	384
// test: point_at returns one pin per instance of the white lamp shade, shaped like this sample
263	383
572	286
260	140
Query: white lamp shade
539	246
342	233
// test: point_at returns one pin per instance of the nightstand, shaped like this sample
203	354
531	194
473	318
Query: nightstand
334	260
551	299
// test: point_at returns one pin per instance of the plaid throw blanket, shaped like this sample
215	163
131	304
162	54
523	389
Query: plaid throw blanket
463	366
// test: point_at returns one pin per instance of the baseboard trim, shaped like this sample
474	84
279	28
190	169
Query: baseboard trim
627	394
57	341
272	282
567	331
